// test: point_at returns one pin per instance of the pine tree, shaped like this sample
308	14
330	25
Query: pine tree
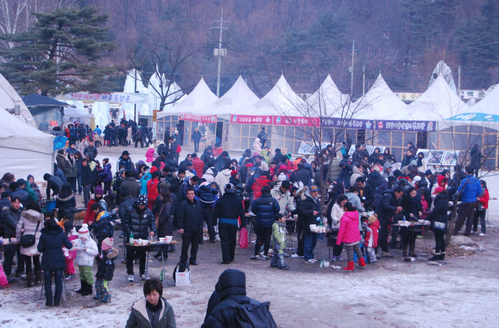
60	53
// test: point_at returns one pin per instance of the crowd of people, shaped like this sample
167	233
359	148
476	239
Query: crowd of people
277	193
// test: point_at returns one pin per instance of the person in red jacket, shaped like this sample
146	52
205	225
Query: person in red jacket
482	206
261	181
197	165
372	238
349	235
152	189
90	215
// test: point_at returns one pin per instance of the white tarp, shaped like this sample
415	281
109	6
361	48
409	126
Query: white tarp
378	103
446	72
24	150
156	91
236	101
133	82
328	101
9	98
201	96
281	100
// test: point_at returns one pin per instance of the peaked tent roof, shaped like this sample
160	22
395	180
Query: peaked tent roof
9	98
327	101
487	110
438	103
235	101
201	96
280	100
36	100
23	149
378	103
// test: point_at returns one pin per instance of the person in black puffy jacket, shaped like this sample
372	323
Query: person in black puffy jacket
105	271
189	224
53	261
139	220
308	211
439	214
228	209
231	290
207	197
65	202
265	208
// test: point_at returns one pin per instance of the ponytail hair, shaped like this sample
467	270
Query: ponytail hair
349	207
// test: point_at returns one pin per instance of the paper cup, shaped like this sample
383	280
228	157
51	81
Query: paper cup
168	239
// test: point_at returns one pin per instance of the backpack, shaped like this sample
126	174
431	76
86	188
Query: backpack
253	315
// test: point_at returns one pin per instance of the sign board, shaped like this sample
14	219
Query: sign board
310	148
154	115
473	94
296	121
198	118
119	97
347	123
251	119
53	124
408	96
406	125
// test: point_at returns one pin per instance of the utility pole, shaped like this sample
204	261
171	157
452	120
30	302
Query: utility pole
351	69
135	91
363	80
459	81
220	52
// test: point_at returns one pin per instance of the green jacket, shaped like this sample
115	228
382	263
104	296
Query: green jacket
30	191
140	319
279	234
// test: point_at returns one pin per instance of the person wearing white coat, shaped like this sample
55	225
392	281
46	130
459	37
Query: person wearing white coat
87	250
223	178
336	213
209	175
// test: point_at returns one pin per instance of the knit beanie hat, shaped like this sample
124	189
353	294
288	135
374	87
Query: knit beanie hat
73	232
83	232
142	200
98	191
233	173
107	244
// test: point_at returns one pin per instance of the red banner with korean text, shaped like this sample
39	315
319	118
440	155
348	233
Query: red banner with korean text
198	118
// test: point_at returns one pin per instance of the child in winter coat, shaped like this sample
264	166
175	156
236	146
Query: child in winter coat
279	242
349	234
87	249
105	271
372	238
70	256
4	283
150	155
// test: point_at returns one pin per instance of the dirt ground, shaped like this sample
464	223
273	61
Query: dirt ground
390	293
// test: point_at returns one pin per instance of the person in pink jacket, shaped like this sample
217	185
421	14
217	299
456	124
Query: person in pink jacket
349	235
150	155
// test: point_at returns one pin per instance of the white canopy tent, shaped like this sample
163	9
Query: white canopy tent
133	82
9	99
378	103
327	101
72	114
438	103
24	150
201	96
173	92
237	100
281	100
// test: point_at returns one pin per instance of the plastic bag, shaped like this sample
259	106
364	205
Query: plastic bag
243	238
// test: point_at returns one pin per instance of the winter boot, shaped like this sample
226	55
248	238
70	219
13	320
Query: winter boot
362	262
350	266
38	277
88	290
442	256
82	287
29	279
434	258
